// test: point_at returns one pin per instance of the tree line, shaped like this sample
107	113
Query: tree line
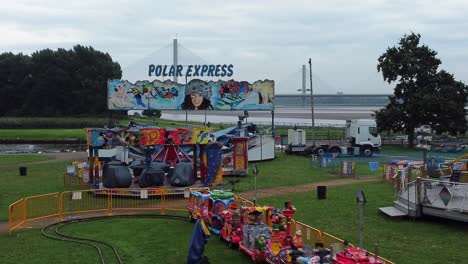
423	93
73	82
52	83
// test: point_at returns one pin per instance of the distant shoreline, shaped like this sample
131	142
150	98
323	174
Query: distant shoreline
282	115
42	141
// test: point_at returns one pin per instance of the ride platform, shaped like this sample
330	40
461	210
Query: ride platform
444	199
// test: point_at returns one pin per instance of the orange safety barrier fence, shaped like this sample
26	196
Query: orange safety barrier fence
200	189
330	240
173	202
242	201
121	201
310	235
136	199
95	202
42	206
84	201
16	215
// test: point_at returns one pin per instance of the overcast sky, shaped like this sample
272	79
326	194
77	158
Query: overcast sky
263	39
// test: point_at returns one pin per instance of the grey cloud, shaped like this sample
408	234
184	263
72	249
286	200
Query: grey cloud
264	39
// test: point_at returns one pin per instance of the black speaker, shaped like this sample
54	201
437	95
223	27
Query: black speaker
116	175
321	192
138	170
151	177
160	165
183	175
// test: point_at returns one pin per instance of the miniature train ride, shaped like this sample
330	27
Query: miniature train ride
263	232
354	255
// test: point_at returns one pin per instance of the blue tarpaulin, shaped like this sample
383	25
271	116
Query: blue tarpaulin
373	166
200	236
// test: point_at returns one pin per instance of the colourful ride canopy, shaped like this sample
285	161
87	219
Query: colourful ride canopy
181	136
148	136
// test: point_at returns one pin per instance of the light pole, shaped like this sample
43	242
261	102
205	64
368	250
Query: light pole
255	173
261	146
312	103
361	201
149	108
186	112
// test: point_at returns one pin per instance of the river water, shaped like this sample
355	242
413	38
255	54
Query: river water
286	116
290	116
39	148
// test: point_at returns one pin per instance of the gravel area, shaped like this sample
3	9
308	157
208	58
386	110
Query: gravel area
62	156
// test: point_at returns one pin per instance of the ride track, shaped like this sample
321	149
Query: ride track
52	231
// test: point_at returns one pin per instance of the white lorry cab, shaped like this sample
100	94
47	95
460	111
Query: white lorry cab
363	133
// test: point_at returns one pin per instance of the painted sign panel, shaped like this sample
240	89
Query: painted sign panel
196	95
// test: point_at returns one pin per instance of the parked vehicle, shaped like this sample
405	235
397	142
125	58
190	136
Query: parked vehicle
423	129
361	138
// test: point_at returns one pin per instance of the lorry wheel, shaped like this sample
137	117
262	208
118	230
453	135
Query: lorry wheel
320	151
336	151
308	151
367	151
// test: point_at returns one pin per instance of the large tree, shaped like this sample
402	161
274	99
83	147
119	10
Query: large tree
15	79
422	94
56	83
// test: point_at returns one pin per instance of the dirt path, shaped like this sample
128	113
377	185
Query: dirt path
57	156
271	191
301	188
63	156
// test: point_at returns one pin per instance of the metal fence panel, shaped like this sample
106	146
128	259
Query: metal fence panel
17	215
84	201
42	206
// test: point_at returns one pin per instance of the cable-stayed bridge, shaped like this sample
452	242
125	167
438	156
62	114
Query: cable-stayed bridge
138	70
331	105
176	53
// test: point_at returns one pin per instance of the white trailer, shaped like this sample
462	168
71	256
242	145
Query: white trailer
361	138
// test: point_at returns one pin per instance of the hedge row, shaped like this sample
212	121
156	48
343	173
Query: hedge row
48	122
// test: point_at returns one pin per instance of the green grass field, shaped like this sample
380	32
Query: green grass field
290	170
402	241
9	160
42	134
45	178
137	241
147	240
41	179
